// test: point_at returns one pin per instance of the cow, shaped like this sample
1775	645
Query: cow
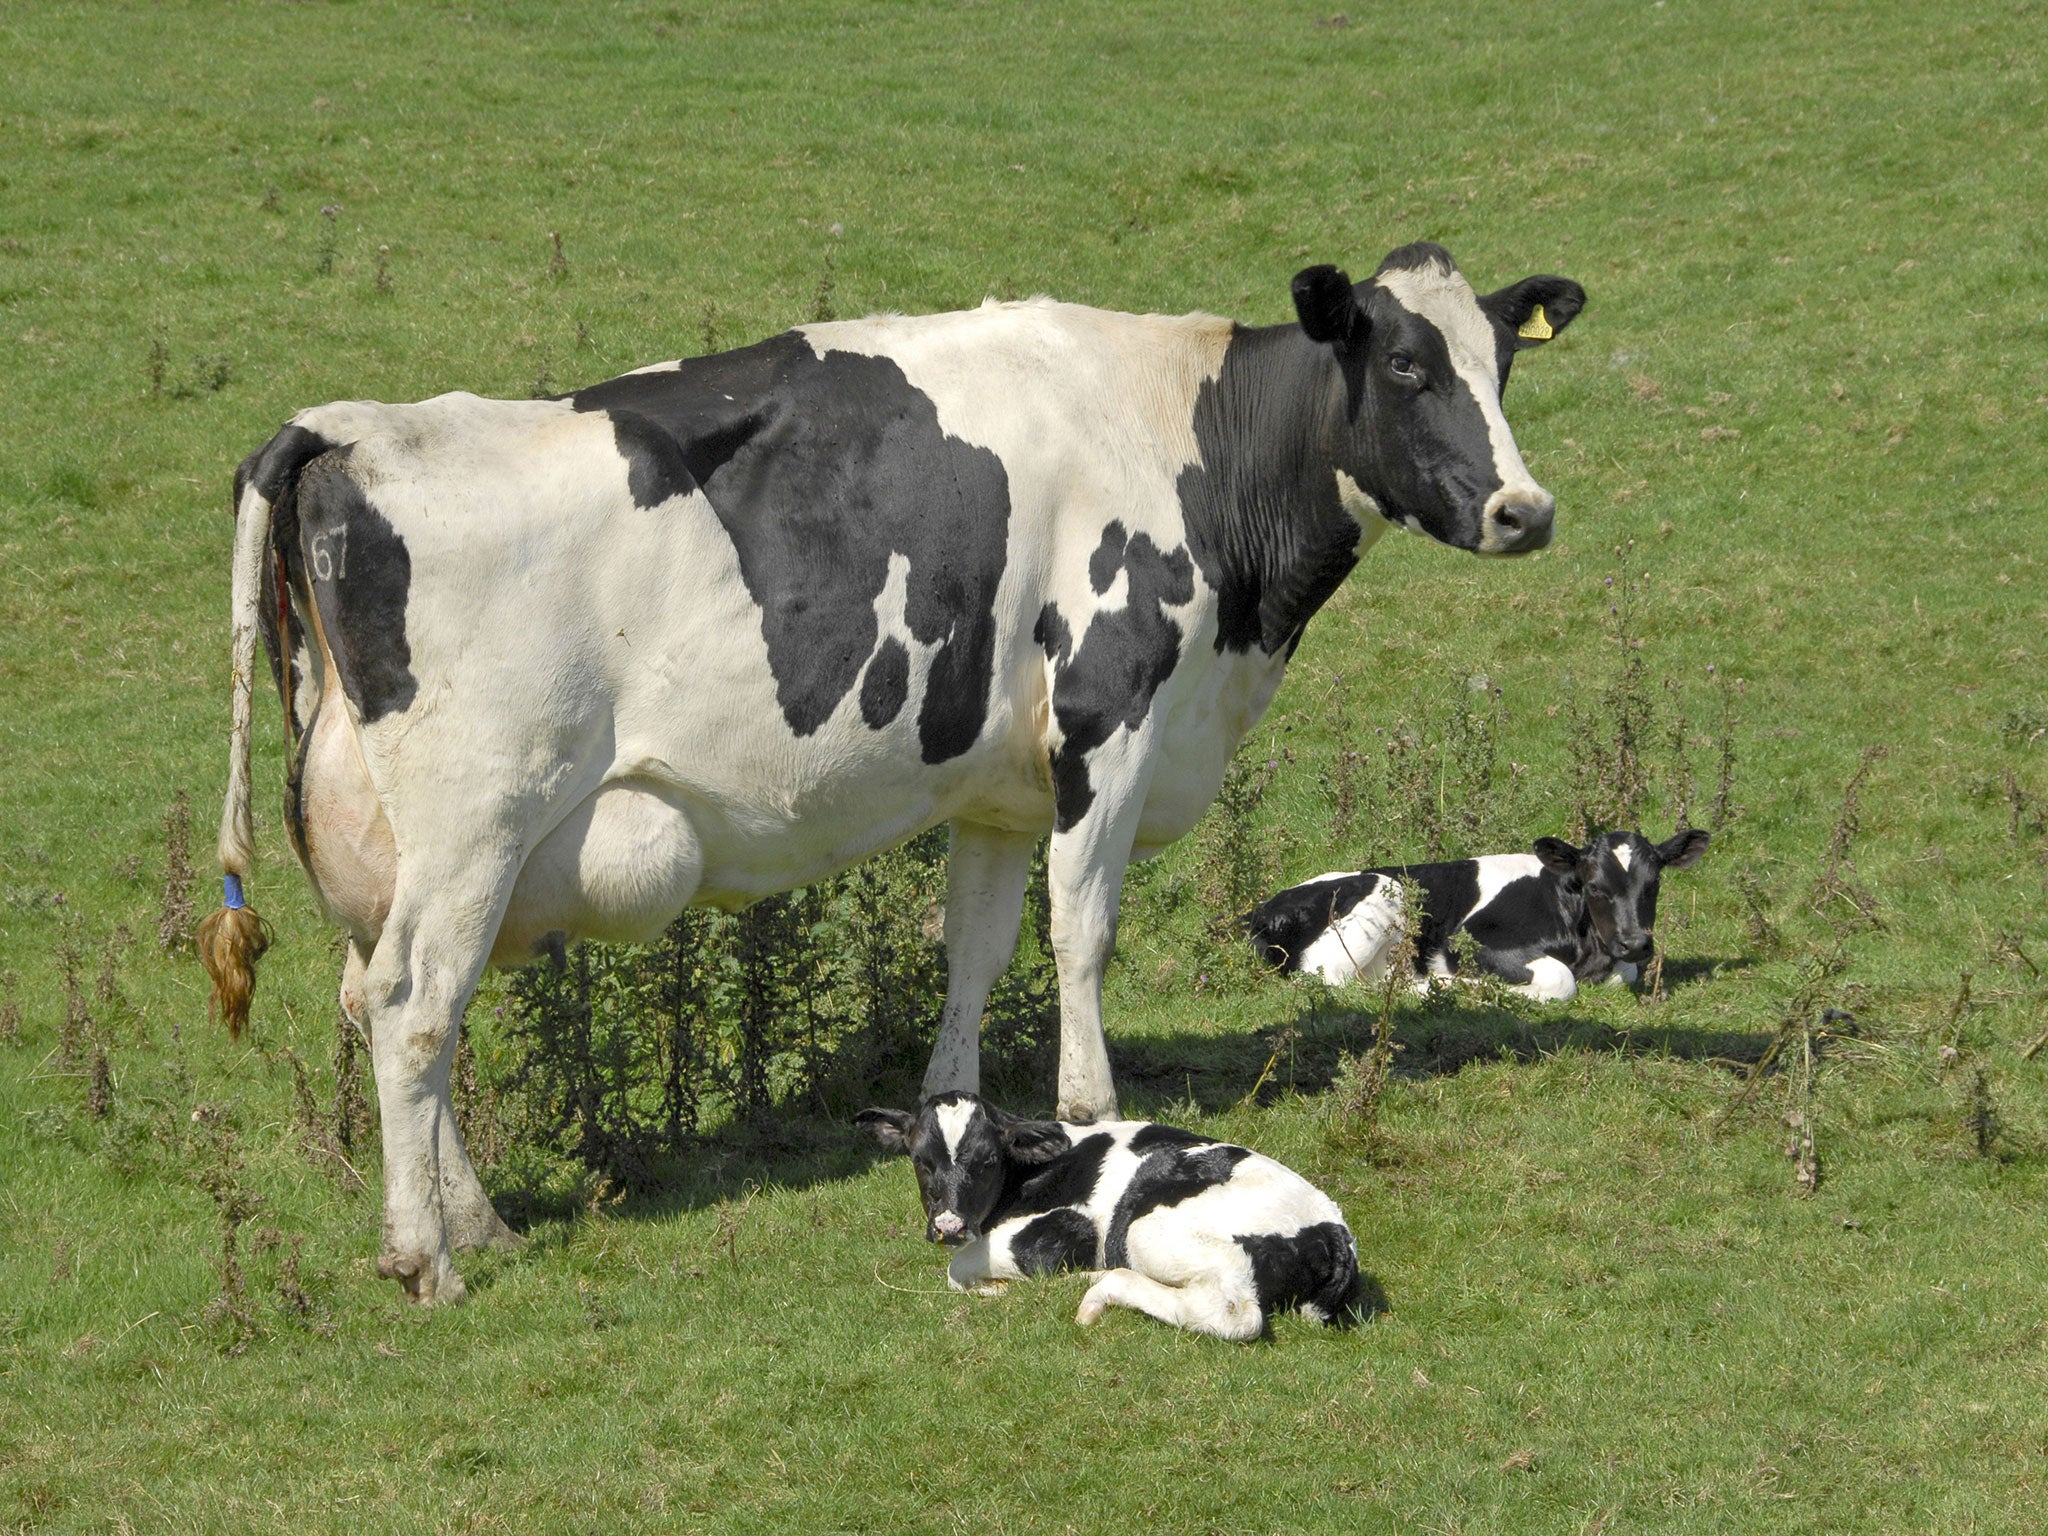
1542	922
1198	1233
725	625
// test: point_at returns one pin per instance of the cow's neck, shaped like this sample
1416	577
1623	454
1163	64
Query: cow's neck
1265	520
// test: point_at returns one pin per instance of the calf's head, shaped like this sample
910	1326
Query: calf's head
1424	361
1619	873
963	1150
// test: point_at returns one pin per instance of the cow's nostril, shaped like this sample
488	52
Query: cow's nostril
1509	523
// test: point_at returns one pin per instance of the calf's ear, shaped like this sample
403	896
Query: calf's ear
1328	308
1558	856
1034	1141
1683	849
889	1127
1536	308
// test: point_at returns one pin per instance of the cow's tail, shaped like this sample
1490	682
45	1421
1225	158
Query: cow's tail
232	939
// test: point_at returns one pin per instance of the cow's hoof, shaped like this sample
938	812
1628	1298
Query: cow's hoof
427	1281
1078	1113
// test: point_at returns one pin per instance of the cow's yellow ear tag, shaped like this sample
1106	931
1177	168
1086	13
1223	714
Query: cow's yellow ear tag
1536	327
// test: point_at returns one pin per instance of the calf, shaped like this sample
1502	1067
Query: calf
1197	1233
1543	922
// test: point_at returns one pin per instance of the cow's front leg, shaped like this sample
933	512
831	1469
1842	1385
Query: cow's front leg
1085	872
415	989
986	872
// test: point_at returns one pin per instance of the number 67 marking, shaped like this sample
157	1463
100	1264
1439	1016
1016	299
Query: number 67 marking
330	554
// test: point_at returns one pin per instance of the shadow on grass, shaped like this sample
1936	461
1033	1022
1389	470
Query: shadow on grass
797	1148
1437	1037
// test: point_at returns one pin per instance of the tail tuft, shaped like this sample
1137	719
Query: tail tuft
231	941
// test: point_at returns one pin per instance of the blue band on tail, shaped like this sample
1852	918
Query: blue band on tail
231	891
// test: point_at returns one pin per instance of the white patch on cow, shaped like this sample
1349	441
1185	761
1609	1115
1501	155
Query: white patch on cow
1441	296
674	365
953	1121
1355	947
1623	854
1363	509
1550	981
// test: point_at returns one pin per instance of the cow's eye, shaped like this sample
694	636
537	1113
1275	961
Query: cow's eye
1402	366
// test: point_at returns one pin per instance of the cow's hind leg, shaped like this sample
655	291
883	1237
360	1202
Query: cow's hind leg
415	988
986	872
1218	1302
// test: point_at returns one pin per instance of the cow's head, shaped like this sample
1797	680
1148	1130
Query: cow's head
962	1149
1619	873
1424	361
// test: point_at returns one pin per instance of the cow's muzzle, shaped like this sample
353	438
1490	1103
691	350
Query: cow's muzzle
1517	521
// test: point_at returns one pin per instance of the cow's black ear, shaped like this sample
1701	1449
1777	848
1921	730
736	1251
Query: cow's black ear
889	1127
1558	856
1034	1141
1683	849
1536	308
1328	308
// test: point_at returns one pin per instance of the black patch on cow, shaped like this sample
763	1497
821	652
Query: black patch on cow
1155	1136
1062	1239
820	469
1260	504
1067	1180
886	683
1521	910
1317	1265
1125	654
274	468
1283	927
656	468
1167	1177
361	576
1446	894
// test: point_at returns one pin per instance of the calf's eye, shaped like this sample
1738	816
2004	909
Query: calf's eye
1402	366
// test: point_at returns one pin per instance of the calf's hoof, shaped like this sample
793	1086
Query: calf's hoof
1097	1301
429	1281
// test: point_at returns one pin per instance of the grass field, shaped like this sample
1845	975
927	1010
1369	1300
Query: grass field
1811	386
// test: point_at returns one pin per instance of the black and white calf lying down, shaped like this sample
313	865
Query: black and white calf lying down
1543	922
1198	1233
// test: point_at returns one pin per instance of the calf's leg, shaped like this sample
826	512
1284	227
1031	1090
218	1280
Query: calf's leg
1218	1302
986	872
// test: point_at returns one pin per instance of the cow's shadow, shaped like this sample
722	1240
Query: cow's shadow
1434	1037
1165	1075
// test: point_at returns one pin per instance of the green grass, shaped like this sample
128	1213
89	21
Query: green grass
1811	384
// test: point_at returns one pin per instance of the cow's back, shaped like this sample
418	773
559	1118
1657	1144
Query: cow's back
799	585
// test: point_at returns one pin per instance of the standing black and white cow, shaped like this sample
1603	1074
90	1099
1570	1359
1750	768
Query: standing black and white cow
1543	922
1198	1233
722	626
